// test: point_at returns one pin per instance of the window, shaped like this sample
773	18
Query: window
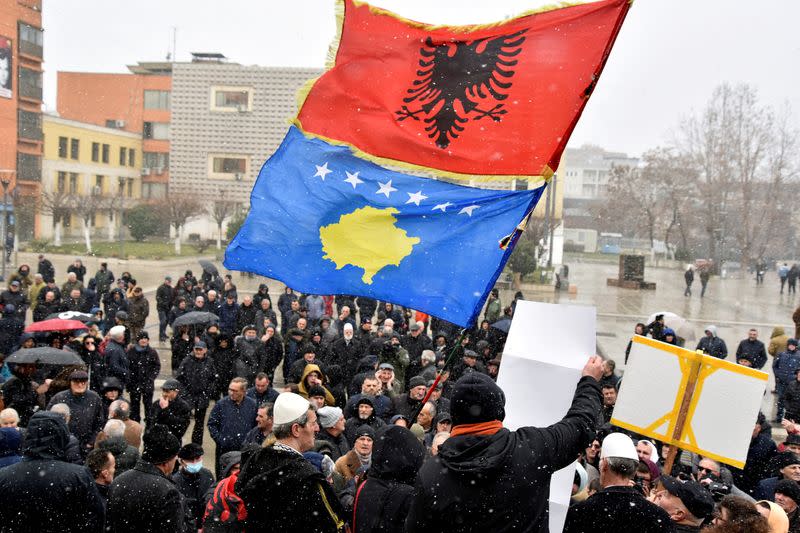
130	188
74	148
29	125
29	167
99	183
156	130
231	98
123	156
156	99
229	165
106	150
95	152
61	184
30	83
131	157
62	147
30	40
155	159
73	183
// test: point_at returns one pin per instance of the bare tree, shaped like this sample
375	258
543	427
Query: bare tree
178	209
87	207
57	204
220	210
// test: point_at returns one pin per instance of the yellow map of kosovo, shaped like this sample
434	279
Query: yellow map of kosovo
368	239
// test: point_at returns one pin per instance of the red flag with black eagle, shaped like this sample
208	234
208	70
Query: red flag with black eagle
495	99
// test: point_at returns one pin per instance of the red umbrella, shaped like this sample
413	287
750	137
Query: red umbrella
55	324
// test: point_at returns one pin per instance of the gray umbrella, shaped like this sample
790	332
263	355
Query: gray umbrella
74	315
44	356
195	318
209	267
504	324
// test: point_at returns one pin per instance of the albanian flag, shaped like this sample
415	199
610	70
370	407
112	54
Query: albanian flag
467	101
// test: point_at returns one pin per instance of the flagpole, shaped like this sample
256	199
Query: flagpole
439	375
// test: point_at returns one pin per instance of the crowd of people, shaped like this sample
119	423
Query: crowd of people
319	419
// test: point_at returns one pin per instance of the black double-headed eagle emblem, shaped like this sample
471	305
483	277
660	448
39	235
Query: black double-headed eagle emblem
465	72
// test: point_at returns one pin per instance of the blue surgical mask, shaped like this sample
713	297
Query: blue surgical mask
194	468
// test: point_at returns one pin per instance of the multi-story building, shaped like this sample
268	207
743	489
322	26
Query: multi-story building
89	173
227	119
21	53
585	175
138	102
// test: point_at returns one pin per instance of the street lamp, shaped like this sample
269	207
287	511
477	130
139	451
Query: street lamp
121	218
5	183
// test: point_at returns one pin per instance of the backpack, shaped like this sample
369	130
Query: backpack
225	511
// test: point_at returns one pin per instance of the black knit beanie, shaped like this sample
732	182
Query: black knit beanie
476	398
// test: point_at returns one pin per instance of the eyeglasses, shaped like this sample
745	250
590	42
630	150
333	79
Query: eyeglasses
704	469
595	446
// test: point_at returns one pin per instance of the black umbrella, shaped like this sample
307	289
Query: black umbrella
195	318
74	315
504	324
44	356
209	267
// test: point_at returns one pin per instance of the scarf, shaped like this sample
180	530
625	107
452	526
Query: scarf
481	428
365	460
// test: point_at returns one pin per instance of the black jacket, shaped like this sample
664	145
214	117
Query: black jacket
338	445
118	365
281	487
762	449
753	351
199	376
43	493
87	415
176	416
144	499
193	488
143	367
501	482
126	455
385	497
617	509
165	294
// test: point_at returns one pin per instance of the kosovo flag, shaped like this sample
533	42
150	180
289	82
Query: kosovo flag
470	102
327	222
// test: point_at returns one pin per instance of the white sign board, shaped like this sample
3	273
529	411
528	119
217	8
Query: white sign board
547	347
723	407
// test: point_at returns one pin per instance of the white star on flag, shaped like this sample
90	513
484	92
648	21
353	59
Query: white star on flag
353	179
322	171
386	188
469	209
442	207
416	197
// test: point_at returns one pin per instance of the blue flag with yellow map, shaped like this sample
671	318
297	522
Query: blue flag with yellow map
324	221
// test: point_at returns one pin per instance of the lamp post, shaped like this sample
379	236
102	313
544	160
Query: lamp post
5	183
121	218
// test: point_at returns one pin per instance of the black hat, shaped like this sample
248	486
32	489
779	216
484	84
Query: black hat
142	335
366	320
190	451
367	400
111	383
122	315
444	417
228	460
792	438
693	495
416	381
789	488
316	390
159	445
782	460
79	375
476	398
365	431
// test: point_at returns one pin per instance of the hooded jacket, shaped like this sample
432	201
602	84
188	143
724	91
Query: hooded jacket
713	345
777	341
301	387
43	493
281	487
501	482
786	365
385	497
353	423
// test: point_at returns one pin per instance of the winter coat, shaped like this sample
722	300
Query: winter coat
791	400
713	346
617	509
144	499
752	351
501	482
165	295
246	316
87	415
10	442
20	394
270	395
352	425
786	365
193	488
229	423
227	317
225	512
45	494
250	357
383	406
346	354
103	279
17	299
138	311
176	416
338	445
144	367
47	270
11	329
126	455
224	361
199	377
259	320
117	361
113	305
777	341
281	487
384	499
261	294
762	449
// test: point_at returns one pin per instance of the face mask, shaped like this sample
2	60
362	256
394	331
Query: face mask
194	468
